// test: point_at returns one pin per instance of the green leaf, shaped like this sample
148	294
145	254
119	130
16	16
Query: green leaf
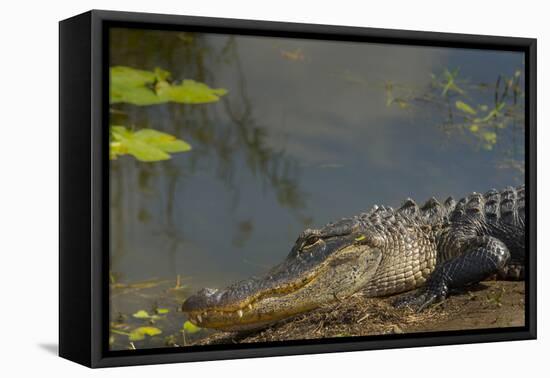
162	141
450	84
190	327
140	333
490	137
161	75
161	311
460	105
141	314
474	128
130	85
141	87
145	145
190	92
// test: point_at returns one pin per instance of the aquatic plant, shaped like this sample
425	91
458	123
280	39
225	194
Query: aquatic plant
141	88
489	114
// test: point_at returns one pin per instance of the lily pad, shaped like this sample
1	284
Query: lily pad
190	327
140	333
141	314
145	145
140	87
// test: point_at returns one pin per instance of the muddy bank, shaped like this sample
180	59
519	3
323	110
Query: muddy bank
491	304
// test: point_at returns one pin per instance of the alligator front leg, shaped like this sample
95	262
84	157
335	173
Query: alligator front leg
483	257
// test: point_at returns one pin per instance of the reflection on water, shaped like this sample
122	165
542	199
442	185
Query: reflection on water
309	132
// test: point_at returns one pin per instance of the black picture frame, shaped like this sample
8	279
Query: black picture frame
84	187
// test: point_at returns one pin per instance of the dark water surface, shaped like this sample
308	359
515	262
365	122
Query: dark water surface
303	137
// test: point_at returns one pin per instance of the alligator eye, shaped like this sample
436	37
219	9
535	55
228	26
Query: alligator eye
310	242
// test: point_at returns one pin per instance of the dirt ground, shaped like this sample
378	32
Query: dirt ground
490	304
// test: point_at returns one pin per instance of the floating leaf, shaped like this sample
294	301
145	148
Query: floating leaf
460	105
474	128
141	314
490	137
140	87
130	85
190	92
161	311
140	333
190	327
145	144
161	75
162	141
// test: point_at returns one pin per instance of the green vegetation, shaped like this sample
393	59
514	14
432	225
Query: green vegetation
190	327
149	315
481	110
140	333
479	119
145	144
142	88
139	87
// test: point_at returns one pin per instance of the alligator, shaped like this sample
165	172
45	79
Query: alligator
437	249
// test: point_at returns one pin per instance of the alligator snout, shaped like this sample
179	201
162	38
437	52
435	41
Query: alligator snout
204	298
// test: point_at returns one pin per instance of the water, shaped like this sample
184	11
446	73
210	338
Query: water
305	135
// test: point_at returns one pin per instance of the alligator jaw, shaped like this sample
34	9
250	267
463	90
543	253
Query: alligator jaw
326	270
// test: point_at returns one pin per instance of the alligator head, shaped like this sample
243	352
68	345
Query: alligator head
323	266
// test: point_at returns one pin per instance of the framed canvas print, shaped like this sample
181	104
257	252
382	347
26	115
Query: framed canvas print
234	188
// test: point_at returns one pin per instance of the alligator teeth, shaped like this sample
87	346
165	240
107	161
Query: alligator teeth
240	313
199	318
250	306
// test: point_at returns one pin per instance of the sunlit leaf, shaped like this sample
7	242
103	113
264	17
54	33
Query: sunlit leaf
161	311
163	141
143	151
140	87
161	75
460	105
115	149
190	92
140	333
490	137
145	145
129	85
190	327
141	314
474	128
